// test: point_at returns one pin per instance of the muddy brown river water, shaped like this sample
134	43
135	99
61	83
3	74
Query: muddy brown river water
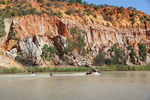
113	85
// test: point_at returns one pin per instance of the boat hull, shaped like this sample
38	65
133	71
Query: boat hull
96	73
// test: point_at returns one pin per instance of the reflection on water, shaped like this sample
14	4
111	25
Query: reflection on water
76	86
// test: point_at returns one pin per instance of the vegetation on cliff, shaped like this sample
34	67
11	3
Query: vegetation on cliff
76	42
48	52
2	25
119	57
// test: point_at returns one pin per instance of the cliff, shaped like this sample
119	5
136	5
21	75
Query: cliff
123	26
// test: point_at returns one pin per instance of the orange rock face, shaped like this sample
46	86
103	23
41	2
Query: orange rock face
100	36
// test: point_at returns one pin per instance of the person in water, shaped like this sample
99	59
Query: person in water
51	74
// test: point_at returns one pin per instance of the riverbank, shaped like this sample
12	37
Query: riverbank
77	69
125	68
44	69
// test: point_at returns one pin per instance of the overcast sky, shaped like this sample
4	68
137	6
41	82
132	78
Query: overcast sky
141	5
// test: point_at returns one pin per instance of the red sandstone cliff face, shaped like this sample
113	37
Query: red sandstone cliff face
99	37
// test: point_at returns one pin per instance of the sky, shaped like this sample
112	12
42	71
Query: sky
141	5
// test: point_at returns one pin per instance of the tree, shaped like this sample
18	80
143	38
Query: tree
143	51
118	56
48	51
130	8
77	41
99	60
132	53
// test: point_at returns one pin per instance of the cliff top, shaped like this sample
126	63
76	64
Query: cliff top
101	15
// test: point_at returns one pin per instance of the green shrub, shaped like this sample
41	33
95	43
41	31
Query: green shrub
144	18
38	13
7	70
77	69
57	5
1	71
59	14
12	70
46	69
3	2
48	51
40	1
13	13
121	11
143	51
96	8
48	4
105	17
124	68
32	11
133	14
48	8
118	56
12	35
130	8
2	26
77	42
94	15
68	12
7	7
99	60
89	12
107	25
43	11
110	12
30	69
132	53
23	12
15	9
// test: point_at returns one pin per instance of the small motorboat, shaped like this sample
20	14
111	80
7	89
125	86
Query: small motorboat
94	72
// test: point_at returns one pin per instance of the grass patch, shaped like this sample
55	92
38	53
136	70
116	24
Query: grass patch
125	68
1	71
38	69
47	69
78	69
12	70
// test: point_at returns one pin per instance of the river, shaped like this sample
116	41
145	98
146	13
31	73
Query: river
111	85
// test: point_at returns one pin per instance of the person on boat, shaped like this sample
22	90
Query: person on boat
99	71
50	74
32	72
92	71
